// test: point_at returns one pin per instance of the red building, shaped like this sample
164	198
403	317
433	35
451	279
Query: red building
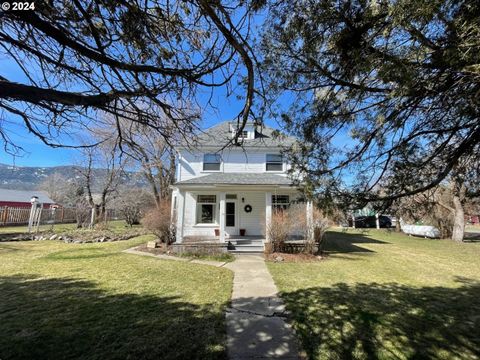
21	198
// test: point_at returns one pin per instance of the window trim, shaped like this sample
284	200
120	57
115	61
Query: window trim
220	162
198	206
244	135
276	205
274	162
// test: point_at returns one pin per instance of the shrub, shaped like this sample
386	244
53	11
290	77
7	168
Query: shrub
319	227
159	222
83	213
132	203
279	229
292	223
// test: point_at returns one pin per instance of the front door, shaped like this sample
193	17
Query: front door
231	217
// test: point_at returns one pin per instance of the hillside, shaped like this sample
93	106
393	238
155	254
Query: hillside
30	178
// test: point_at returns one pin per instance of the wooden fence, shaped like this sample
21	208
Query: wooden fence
20	215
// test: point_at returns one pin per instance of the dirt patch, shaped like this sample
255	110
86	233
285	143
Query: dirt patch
299	257
155	251
170	250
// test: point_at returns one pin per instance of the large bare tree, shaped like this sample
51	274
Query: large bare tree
103	169
81	57
156	158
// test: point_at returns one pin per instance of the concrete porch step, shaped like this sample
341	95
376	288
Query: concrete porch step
246	248
257	242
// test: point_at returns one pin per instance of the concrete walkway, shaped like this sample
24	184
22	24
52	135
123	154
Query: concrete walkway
256	327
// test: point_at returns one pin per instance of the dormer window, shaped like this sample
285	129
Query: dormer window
248	131
211	162
274	162
243	135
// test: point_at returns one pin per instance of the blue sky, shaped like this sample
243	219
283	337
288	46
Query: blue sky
39	154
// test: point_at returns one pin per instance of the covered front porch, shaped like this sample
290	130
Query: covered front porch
234	244
234	215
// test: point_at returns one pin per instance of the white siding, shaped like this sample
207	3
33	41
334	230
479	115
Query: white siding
253	222
233	161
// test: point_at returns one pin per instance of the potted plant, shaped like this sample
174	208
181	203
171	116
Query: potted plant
242	232
217	232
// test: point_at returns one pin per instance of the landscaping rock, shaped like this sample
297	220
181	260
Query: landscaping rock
53	237
279	259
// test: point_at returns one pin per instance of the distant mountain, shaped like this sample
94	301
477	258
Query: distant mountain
30	178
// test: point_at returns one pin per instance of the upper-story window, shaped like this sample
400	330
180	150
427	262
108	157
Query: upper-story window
211	162
243	134
274	162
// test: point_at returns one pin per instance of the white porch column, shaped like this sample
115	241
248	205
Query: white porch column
377	221
268	213
180	215
309	215
173	209
222	217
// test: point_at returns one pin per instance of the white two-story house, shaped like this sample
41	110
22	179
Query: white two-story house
229	193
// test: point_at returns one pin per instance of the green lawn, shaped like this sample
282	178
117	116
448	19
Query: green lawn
91	301
386	296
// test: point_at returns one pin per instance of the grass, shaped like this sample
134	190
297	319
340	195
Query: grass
117	226
384	295
91	301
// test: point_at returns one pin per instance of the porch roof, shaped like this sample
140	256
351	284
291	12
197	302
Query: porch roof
238	179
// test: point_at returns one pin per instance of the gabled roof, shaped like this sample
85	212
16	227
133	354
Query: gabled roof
24	196
219	135
238	179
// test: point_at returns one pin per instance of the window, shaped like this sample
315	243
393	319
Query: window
206	205
242	135
274	162
280	202
211	162
231	196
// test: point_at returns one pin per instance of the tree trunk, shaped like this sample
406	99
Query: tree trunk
151	180
458	193
398	227
458	219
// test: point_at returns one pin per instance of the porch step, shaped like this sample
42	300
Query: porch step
243	248
242	242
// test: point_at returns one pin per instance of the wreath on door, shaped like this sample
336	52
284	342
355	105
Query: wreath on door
247	208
